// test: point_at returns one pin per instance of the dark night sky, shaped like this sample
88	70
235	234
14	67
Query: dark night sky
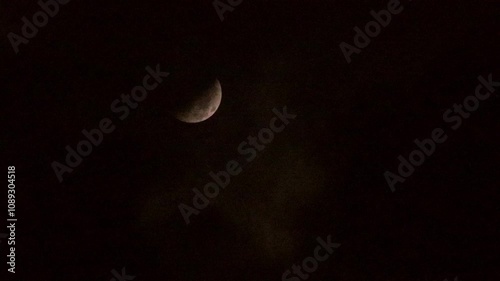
323	175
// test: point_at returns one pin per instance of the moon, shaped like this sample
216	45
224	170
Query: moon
202	106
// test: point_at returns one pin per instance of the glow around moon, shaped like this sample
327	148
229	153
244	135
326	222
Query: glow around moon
202	107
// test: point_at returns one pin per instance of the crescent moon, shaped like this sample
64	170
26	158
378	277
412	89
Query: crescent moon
201	107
